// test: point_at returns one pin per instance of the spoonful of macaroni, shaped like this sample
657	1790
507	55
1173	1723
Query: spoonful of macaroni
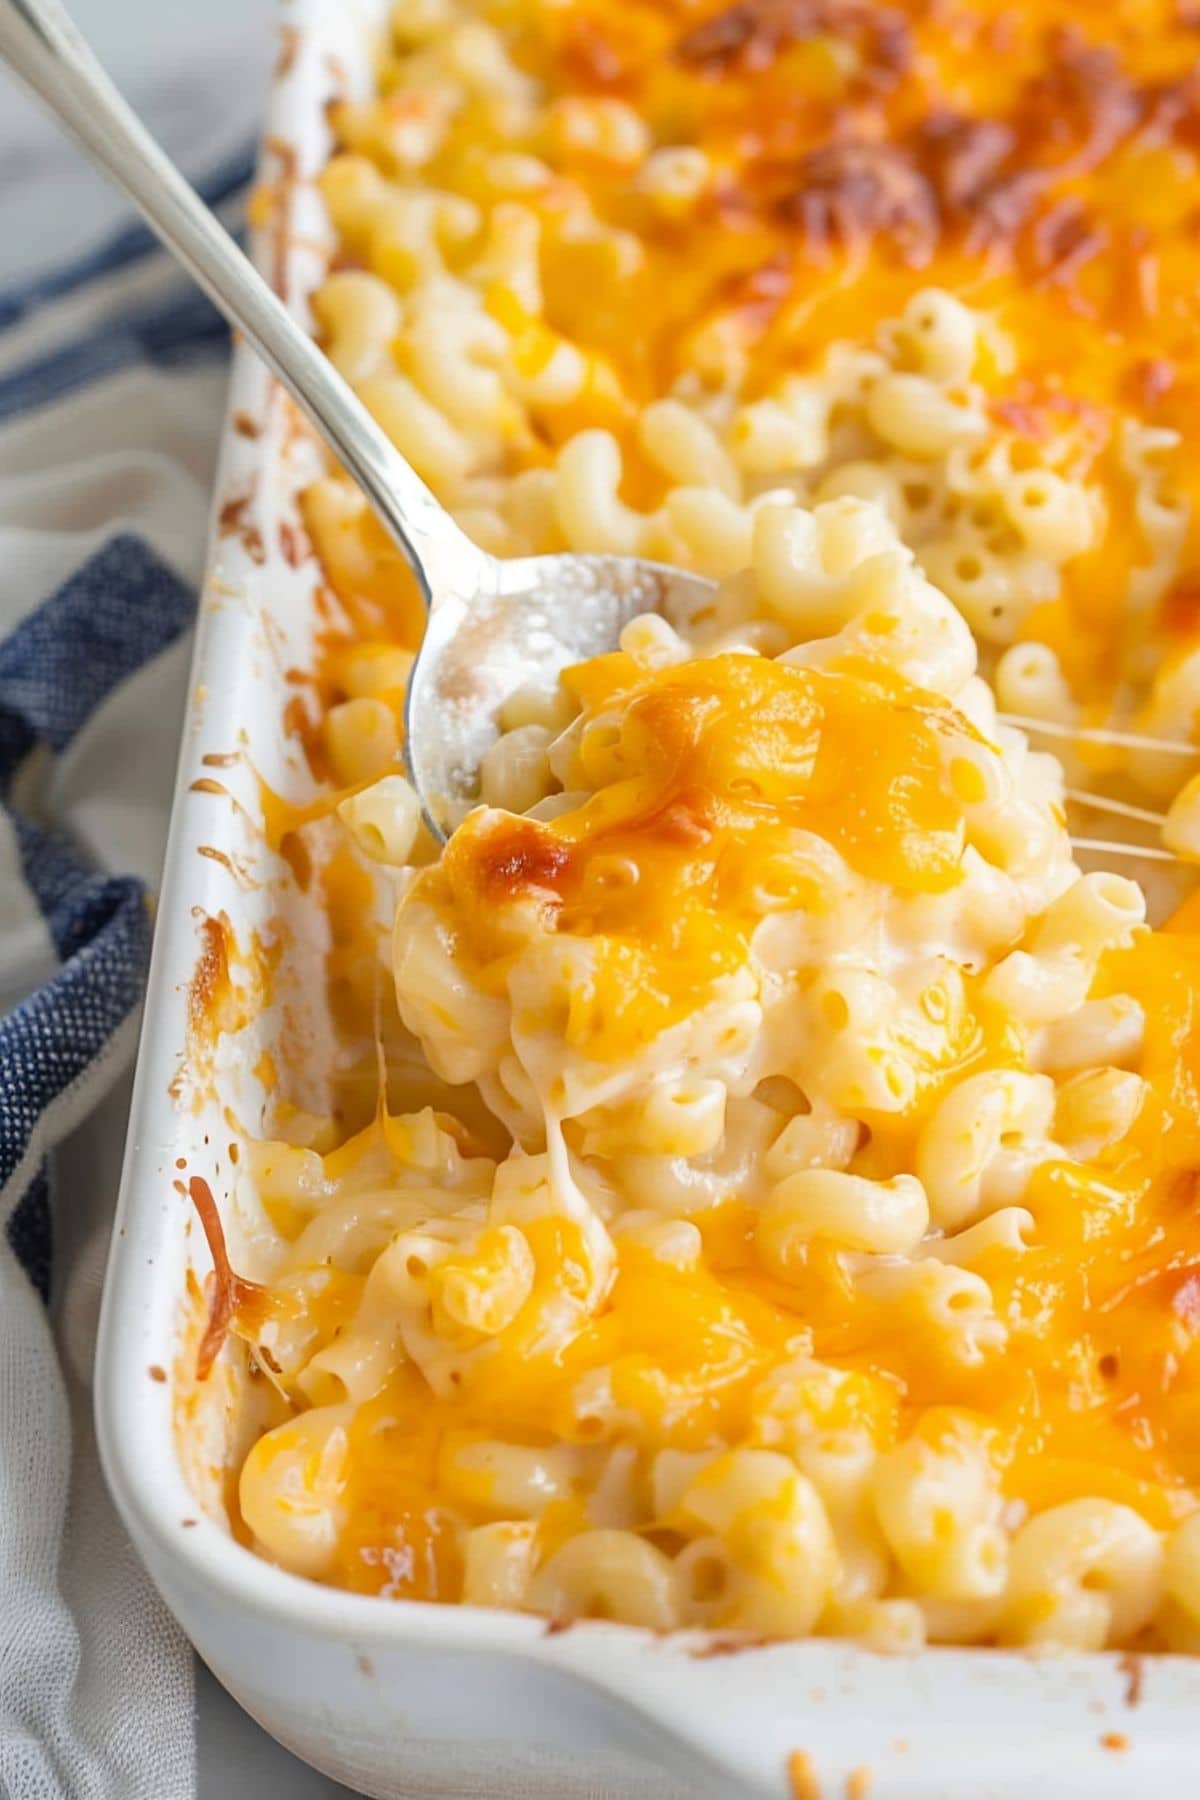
495	625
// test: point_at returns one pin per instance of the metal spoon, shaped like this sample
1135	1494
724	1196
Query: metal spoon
494	624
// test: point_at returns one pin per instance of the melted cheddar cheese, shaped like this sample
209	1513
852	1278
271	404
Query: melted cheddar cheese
779	901
1039	162
704	774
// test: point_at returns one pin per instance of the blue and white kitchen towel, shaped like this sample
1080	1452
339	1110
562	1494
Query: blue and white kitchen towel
112	380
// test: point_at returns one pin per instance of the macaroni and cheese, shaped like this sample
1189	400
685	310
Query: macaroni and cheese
778	1208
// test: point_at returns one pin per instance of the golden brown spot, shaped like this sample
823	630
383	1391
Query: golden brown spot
233	522
521	857
758	295
847	194
726	1645
1133	1668
802	1777
232	1296
684	821
1179	610
747	38
210	984
295	854
293	544
230	517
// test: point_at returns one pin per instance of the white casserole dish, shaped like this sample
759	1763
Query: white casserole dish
376	1692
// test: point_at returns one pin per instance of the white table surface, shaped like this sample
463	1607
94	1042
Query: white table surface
145	43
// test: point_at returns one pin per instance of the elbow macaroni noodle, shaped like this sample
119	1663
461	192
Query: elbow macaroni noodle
812	1250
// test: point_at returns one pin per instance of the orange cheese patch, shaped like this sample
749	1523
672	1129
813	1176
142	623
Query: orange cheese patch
705	775
1041	162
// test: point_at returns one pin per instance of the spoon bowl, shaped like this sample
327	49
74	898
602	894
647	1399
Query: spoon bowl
530	618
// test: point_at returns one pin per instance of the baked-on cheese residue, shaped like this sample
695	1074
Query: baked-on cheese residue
781	1215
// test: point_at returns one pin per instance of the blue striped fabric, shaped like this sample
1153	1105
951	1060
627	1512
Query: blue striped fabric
126	246
120	609
178	331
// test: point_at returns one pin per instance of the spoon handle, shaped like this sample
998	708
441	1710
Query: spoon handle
41	44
